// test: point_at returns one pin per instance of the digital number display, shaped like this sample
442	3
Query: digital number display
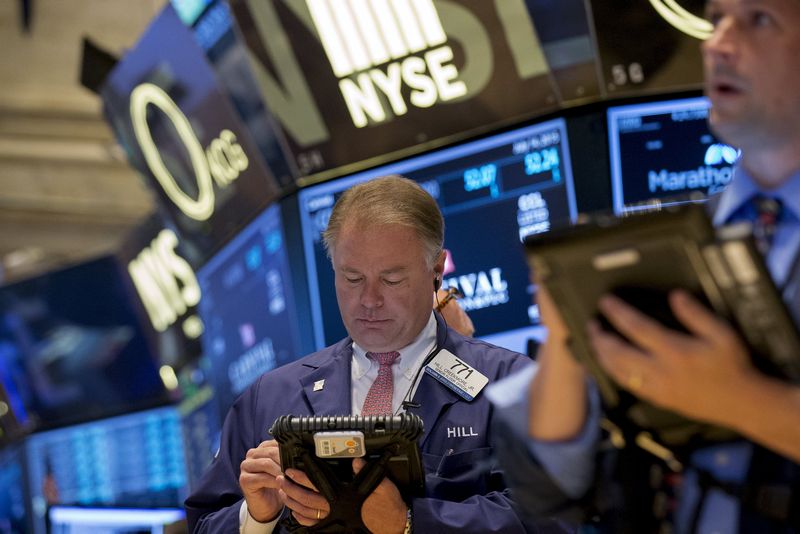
133	460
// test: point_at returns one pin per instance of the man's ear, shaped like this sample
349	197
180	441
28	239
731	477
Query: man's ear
438	270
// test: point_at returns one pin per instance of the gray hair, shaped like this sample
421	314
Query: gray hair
390	200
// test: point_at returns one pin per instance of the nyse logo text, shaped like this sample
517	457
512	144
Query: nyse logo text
166	284
387	55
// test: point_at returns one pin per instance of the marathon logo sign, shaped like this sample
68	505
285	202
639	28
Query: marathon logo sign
703	177
711	178
415	71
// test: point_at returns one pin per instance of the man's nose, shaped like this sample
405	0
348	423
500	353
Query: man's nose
721	46
371	295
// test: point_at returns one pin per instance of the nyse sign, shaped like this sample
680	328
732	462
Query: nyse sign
422	69
166	284
361	41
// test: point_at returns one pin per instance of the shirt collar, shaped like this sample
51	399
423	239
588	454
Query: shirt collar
742	187
410	355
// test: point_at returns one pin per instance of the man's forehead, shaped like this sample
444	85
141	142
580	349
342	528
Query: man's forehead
389	240
358	226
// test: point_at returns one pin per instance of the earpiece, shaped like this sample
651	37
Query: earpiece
437	283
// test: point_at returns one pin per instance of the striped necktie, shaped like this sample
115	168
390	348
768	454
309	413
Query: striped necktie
767	214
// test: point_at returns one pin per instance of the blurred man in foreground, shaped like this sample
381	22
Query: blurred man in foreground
752	70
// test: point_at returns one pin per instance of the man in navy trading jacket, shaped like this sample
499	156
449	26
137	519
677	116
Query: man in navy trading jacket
385	241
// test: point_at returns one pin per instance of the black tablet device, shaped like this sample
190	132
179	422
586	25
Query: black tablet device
640	258
323	447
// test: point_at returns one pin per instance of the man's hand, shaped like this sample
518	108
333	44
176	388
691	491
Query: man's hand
384	511
454	315
699	374
259	483
298	494
559	381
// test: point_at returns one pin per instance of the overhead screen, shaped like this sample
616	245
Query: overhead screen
312	91
648	47
492	193
663	152
67	519
134	461
160	269
215	33
359	81
184	136
564	30
248	307
202	424
353	83
74	348
14	504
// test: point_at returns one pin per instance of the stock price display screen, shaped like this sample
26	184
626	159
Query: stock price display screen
663	152
247	307
134	460
492	192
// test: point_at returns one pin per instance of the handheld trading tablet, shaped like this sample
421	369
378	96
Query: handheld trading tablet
323	447
640	258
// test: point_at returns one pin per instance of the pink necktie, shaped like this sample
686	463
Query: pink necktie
379	396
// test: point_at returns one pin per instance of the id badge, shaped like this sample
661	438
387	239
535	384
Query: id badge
464	380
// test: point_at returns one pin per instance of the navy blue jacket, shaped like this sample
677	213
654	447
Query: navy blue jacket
465	490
